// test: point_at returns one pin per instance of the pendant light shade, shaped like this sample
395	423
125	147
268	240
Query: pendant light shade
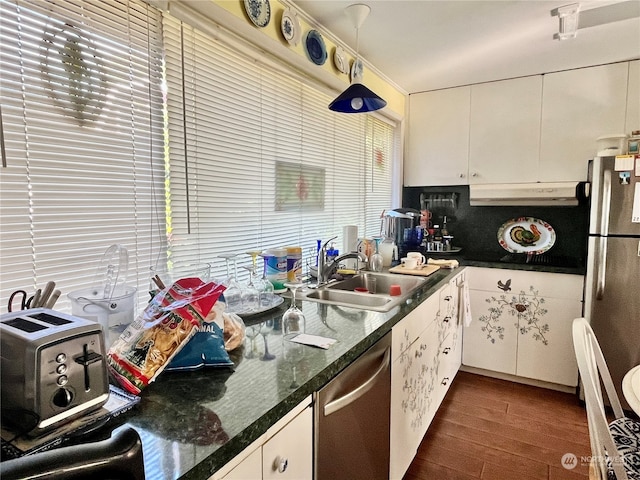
357	99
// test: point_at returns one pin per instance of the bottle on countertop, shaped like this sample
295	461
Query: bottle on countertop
443	231
437	234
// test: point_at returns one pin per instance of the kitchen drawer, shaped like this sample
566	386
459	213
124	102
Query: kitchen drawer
511	282
410	327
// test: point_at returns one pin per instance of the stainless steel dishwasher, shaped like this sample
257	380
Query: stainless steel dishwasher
352	419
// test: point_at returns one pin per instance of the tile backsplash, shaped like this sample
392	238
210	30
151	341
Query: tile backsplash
475	229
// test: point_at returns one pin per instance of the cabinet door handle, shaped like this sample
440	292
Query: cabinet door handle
446	350
446	319
280	464
448	298
461	175
356	393
445	380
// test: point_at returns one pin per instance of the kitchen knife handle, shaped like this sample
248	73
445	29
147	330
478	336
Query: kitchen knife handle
46	293
601	266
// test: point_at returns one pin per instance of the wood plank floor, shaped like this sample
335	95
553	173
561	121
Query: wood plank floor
493	429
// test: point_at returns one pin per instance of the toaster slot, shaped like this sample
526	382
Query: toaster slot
24	325
86	359
50	319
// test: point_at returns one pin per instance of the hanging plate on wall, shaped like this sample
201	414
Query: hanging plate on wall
357	71
290	27
315	48
259	12
526	235
340	60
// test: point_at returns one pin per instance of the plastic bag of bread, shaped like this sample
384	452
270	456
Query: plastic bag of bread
165	326
234	331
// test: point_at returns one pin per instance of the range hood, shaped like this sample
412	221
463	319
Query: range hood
525	194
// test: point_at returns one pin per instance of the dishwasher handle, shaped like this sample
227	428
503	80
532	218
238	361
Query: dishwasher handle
358	392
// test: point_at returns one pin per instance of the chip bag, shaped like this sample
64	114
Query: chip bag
165	326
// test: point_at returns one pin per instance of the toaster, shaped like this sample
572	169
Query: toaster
53	369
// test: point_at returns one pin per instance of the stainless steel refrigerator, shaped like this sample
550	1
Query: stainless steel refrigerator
612	287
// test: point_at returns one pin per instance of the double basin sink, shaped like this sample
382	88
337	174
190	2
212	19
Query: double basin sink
368	291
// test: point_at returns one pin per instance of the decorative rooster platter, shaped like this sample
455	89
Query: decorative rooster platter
526	235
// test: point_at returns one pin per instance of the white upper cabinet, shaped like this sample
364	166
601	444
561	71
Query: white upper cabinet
438	139
578	106
633	98
504	142
541	128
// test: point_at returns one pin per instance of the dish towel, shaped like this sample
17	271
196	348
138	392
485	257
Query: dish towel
443	263
466	304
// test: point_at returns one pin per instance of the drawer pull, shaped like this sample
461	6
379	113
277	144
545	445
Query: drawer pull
445	380
446	350
448	298
446	319
280	464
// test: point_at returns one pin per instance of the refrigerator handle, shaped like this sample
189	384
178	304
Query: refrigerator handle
606	203
601	266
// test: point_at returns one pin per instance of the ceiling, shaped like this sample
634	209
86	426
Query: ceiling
424	45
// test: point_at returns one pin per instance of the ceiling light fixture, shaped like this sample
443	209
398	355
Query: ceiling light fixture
357	98
568	18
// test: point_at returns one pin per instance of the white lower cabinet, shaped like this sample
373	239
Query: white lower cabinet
426	354
522	323
284	452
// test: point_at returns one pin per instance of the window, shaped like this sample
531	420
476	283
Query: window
125	126
82	121
258	160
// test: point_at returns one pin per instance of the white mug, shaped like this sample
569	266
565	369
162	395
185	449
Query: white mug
420	260
410	262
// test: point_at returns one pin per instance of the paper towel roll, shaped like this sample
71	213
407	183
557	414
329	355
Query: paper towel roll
350	243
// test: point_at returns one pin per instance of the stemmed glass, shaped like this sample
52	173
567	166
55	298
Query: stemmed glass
266	328
252	333
293	321
293	324
376	259
250	294
233	292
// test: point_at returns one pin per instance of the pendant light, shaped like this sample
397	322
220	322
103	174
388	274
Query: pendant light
357	98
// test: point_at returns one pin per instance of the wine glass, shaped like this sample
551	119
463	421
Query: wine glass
293	324
267	295
376	259
233	293
266	328
251	333
250	294
293	320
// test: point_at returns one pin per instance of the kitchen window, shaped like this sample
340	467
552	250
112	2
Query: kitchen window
83	128
124	125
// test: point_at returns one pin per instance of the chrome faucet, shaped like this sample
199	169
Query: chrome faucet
327	268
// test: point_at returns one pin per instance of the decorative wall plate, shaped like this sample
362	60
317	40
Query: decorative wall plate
259	12
340	60
526	235
357	71
290	27
315	47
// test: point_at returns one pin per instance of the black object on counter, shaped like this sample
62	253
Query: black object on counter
119	457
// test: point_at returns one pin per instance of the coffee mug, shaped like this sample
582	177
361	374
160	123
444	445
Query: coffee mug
410	262
420	260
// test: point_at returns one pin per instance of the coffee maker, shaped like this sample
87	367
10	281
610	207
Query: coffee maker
402	225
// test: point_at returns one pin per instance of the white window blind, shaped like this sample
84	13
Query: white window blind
243	136
82	120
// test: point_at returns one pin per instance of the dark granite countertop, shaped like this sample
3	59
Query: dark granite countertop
192	423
